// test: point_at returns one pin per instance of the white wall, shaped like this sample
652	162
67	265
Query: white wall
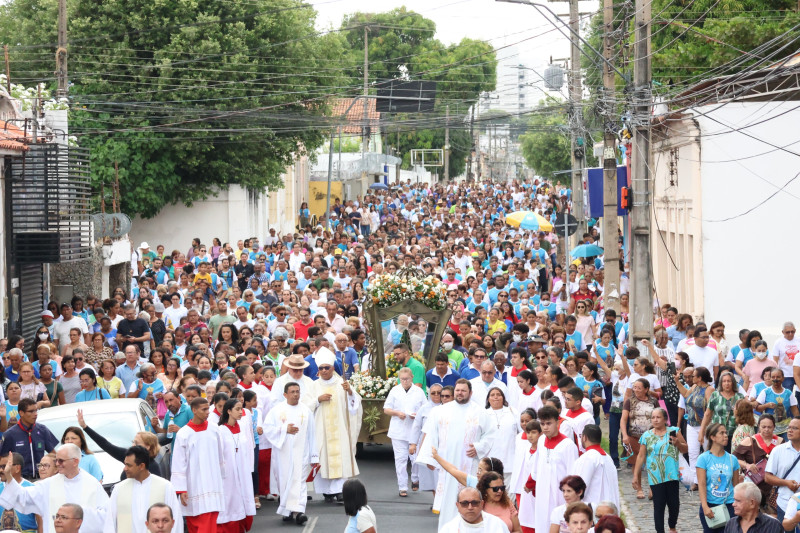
750	251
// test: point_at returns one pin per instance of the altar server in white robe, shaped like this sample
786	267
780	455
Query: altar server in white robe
462	433
554	456
596	469
427	477
337	419
198	470
70	485
402	404
133	496
523	464
471	517
289	426
239	507
577	415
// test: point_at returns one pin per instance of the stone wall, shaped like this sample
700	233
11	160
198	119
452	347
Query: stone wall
86	276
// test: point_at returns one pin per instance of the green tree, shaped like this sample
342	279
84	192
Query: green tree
546	146
184	97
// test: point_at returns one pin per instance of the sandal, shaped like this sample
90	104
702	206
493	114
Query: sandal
258	504
640	495
403	494
415	487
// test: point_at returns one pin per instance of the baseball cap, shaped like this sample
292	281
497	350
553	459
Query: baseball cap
159	307
47	313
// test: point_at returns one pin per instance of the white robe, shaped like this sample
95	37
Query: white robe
490	524
506	422
262	393
292	455
305	382
198	468
450	429
337	423
83	489
238	483
140	502
523	463
480	390
526	401
551	464
578	422
427	477
600	475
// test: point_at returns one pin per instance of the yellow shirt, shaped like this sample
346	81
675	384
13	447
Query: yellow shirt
198	277
498	326
112	386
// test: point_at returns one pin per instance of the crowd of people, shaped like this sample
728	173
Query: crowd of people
245	353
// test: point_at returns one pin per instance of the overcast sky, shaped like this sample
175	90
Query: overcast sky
501	24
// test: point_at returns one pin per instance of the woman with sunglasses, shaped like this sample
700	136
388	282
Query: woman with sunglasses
496	501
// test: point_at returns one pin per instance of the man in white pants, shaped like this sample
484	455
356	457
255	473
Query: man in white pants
402	404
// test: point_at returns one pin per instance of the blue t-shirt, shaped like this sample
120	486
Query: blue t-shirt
719	476
90	464
588	387
96	394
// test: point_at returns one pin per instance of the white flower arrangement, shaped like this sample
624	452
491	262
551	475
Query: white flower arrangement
371	387
387	289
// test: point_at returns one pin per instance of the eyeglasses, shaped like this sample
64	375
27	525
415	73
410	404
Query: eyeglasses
62	461
469	503
42	465
499	488
78	358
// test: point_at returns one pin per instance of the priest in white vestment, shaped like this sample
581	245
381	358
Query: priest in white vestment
70	485
553	459
133	496
596	468
198	470
337	422
289	426
427	477
402	404
471	517
462	433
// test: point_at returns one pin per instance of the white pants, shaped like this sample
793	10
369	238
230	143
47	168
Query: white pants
401	457
692	434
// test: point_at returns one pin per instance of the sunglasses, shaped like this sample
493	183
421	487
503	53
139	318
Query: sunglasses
469	503
499	488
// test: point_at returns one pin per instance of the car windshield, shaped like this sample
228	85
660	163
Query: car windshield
118	428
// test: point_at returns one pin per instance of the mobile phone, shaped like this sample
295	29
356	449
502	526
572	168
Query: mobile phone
673	432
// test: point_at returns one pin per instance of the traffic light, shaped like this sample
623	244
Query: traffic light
625	198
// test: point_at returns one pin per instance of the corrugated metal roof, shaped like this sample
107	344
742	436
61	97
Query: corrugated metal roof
355	117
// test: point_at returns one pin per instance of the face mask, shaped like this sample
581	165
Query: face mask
43	336
447	346
761	355
517	338
260	315
545	302
524	302
614	375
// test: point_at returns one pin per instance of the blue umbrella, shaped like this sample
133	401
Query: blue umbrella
379	186
586	250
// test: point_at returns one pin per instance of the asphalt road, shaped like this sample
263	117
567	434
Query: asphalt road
395	514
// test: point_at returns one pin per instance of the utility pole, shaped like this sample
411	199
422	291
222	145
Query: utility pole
61	53
447	144
365	138
610	225
576	124
472	137
641	182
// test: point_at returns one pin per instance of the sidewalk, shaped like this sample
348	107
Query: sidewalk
639	513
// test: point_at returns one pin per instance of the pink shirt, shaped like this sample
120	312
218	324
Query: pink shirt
754	367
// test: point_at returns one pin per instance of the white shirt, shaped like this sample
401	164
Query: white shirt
62	328
480	389
706	357
490	524
407	401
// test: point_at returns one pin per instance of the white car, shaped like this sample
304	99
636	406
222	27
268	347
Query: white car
117	420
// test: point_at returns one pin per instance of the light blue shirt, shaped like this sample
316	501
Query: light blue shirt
127	374
90	464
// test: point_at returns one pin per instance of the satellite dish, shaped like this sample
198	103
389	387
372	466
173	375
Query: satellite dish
553	78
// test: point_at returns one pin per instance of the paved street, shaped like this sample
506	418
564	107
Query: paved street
377	473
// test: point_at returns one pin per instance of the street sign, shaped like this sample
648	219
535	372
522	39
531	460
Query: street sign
558	225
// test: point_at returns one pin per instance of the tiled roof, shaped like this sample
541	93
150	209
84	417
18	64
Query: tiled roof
355	118
12	137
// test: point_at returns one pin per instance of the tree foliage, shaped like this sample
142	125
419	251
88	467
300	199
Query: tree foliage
402	44
185	97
